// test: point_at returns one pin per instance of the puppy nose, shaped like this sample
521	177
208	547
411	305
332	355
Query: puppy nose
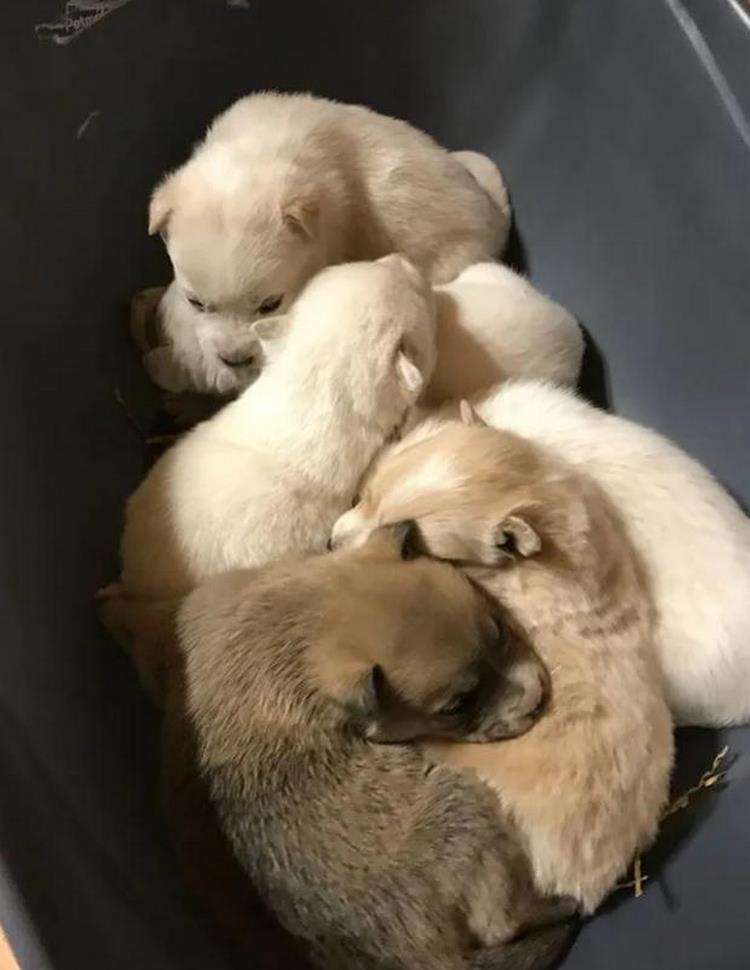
532	690
542	693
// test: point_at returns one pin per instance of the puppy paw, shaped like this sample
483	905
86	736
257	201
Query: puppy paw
145	325
165	371
110	591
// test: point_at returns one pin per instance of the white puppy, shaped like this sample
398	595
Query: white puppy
271	473
492	325
285	184
692	538
187	351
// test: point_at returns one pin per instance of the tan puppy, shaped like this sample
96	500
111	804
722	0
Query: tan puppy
287	667
587	784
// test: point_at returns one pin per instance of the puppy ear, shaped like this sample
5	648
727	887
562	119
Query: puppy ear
161	206
515	538
405	537
469	416
365	703
409	375
270	332
378	712
300	214
399	542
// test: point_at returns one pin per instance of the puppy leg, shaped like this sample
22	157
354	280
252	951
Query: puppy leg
550	910
539	950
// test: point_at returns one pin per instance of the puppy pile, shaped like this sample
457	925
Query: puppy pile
419	619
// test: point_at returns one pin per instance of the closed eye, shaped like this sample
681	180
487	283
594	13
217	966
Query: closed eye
460	703
270	304
198	304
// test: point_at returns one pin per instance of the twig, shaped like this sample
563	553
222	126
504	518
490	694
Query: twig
637	877
707	780
630	883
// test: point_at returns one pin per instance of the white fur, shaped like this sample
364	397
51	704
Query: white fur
272	471
492	325
283	185
693	539
362	183
198	348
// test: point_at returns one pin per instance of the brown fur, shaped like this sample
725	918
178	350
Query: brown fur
147	629
587	783
258	713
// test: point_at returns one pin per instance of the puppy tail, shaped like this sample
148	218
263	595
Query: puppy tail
537	950
487	174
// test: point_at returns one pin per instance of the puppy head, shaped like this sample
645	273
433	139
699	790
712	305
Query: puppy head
366	332
243	236
411	649
481	498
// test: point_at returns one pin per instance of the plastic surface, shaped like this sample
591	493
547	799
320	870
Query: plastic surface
619	127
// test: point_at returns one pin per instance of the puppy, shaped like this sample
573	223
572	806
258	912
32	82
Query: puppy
184	351
285	184
586	786
691	536
373	858
272	472
466	673
492	325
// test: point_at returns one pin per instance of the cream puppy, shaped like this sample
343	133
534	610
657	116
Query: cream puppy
285	184
272	471
693	539
491	325
586	786
187	351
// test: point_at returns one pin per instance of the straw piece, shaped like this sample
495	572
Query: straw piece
707	780
637	877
